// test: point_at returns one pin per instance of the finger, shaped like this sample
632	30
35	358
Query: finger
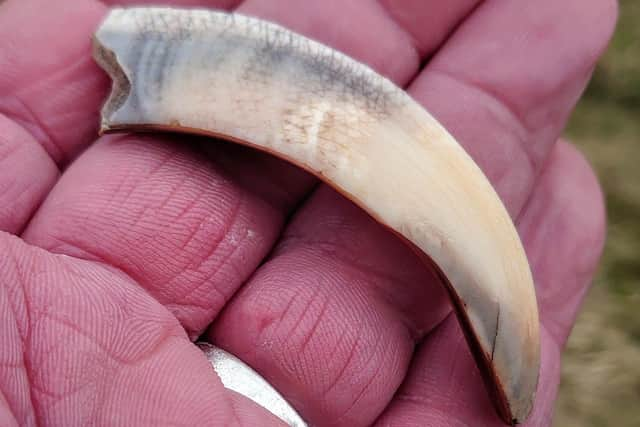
443	387
563	229
49	82
190	229
50	94
353	27
26	175
567	202
84	345
49	97
330	319
429	22
515	71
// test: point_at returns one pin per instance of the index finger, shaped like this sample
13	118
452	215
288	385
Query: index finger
505	83
50	94
49	82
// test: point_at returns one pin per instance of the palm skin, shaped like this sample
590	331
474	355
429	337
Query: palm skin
118	251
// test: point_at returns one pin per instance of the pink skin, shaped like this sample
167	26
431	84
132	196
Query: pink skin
113	258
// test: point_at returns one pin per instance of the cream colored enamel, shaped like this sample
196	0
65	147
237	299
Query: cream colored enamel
386	153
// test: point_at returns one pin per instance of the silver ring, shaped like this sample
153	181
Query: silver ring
239	377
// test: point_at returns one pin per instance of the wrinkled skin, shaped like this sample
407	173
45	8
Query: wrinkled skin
117	251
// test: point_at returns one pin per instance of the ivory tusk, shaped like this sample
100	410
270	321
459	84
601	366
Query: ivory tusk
258	84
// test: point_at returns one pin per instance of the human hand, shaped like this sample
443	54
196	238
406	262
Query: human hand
143	241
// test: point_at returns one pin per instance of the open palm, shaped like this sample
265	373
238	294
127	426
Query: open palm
117	252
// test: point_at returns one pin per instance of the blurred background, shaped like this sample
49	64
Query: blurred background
601	367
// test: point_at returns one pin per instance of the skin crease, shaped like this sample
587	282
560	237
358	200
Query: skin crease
115	254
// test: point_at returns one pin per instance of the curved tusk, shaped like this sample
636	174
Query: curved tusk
258	84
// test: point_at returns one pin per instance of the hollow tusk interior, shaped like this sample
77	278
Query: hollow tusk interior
256	83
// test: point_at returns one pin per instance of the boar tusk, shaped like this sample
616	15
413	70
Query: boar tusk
258	84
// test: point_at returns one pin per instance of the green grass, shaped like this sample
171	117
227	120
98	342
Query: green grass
601	367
